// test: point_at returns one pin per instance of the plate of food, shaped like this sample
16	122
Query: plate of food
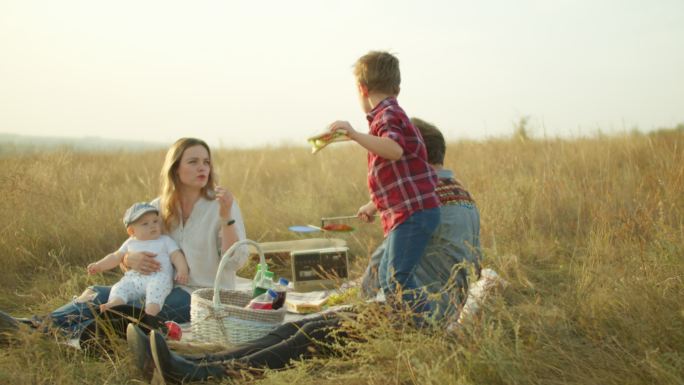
320	141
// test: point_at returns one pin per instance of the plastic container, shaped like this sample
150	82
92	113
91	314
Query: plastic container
265	283
263	301
257	277
281	293
478	293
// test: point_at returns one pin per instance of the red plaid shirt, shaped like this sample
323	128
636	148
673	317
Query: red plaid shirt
399	187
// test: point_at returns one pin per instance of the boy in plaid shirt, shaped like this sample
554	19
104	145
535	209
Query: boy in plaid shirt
400	180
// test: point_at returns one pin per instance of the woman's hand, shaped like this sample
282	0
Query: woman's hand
367	212
225	199
143	262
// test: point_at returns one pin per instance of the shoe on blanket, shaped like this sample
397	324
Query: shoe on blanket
139	346
175	369
8	327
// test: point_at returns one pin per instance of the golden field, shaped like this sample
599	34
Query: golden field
589	234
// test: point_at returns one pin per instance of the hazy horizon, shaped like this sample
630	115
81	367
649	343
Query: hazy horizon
253	74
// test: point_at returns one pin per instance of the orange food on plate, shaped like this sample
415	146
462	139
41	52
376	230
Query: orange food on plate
337	227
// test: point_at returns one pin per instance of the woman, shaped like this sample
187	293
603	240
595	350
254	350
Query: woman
203	218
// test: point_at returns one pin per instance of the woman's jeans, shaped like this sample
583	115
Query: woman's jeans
405	246
76	315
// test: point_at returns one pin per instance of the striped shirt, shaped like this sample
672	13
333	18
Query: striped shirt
451	192
400	187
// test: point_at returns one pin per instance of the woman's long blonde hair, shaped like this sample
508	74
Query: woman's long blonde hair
170	200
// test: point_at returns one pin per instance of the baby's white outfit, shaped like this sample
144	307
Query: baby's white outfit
154	287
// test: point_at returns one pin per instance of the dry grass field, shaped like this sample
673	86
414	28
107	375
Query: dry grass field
589	233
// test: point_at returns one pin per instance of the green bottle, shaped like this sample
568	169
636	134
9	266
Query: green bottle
263	284
257	278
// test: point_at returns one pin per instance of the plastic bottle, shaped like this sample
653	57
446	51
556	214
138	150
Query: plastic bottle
257	278
281	293
478	293
265	283
263	301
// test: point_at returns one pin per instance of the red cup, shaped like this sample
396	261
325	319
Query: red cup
174	329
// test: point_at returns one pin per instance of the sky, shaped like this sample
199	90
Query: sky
254	73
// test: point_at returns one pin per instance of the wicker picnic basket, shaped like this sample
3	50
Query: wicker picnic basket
219	315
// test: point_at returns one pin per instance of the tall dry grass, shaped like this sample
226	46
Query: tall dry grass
589	233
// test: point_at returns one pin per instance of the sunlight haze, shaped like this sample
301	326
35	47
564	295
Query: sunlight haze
239	73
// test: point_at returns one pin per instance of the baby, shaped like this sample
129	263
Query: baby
143	224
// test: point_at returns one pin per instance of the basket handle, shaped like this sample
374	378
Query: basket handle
224	259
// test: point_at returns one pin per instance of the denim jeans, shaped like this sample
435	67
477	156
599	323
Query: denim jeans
74	316
455	243
405	246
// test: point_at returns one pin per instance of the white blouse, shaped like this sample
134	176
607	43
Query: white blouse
200	239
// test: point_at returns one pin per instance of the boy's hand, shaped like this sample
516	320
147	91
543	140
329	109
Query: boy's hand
225	199
343	125
182	276
93	268
367	212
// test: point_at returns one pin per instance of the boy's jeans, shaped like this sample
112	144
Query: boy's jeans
405	246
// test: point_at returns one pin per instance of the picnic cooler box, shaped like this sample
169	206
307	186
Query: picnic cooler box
219	315
316	263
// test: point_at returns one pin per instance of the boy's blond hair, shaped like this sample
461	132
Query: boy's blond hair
379	72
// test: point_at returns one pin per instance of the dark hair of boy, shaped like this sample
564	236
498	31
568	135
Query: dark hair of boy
434	140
